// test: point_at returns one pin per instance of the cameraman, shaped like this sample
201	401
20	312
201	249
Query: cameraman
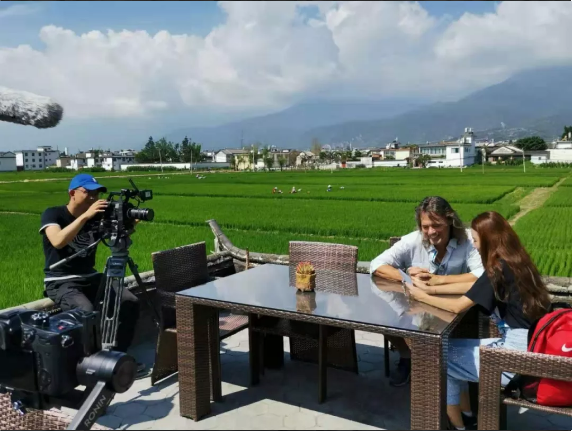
68	229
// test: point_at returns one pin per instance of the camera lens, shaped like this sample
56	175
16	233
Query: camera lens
145	214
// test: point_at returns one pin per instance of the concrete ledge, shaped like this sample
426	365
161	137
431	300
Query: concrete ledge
228	259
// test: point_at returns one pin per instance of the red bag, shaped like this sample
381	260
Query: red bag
552	335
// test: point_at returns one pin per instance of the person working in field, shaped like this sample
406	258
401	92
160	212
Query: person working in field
511	290
440	252
68	229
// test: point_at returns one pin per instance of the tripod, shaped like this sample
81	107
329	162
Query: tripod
114	281
100	395
112	286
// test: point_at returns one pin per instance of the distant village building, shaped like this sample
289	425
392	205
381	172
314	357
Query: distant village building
456	153
561	151
276	153
504	153
63	162
226	155
305	158
110	160
36	160
434	150
8	162
78	161
208	156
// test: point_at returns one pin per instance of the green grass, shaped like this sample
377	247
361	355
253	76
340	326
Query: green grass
373	206
560	198
21	269
547	234
394	193
515	196
377	220
42	175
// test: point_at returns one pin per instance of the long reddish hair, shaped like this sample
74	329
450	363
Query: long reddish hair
499	242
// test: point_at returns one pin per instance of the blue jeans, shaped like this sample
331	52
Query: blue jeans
463	363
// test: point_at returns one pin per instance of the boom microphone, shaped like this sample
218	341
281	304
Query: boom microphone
29	109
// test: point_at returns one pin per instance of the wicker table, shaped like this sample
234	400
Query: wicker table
267	291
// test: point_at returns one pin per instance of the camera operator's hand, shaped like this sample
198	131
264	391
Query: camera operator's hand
98	207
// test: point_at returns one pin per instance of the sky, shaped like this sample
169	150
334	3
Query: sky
125	70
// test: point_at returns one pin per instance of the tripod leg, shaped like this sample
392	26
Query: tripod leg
106	319
135	272
101	289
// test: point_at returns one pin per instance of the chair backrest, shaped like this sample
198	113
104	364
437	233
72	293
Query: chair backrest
394	240
335	265
181	268
323	255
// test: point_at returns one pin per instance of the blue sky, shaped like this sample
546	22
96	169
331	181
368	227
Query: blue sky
197	17
178	17
262	58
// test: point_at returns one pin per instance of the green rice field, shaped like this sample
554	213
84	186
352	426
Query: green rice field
364	208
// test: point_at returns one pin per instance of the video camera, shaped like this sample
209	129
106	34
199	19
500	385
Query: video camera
43	359
121	215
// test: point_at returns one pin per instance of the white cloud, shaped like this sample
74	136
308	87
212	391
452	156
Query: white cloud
268	54
18	10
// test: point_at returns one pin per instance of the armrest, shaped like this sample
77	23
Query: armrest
494	361
531	364
165	299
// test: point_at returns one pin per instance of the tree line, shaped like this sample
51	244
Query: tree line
164	151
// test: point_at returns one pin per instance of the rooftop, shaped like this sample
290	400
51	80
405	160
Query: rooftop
285	399
234	151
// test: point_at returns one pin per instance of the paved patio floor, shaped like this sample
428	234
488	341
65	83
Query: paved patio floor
287	399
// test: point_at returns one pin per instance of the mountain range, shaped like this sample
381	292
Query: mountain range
533	102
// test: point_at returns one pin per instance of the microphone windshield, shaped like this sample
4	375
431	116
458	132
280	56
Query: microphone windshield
29	109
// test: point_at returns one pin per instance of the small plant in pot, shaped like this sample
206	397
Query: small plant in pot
305	277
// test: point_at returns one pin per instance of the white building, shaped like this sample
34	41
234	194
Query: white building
63	162
560	155
539	157
462	152
38	159
506	152
93	159
561	151
305	158
225	156
8	162
208	156
110	160
78	161
277	153
433	150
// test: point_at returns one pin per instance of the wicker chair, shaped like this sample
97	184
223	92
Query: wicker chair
34	419
492	402
175	270
325	345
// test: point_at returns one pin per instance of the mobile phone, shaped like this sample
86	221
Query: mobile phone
404	279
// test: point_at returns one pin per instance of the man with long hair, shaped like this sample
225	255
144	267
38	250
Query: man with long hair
510	290
440	253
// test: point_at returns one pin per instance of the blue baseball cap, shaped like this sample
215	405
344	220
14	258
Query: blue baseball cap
87	182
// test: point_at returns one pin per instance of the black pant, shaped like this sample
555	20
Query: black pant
81	293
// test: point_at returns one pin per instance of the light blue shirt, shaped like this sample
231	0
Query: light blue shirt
411	251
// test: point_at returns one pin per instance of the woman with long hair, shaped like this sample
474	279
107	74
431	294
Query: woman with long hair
510	290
